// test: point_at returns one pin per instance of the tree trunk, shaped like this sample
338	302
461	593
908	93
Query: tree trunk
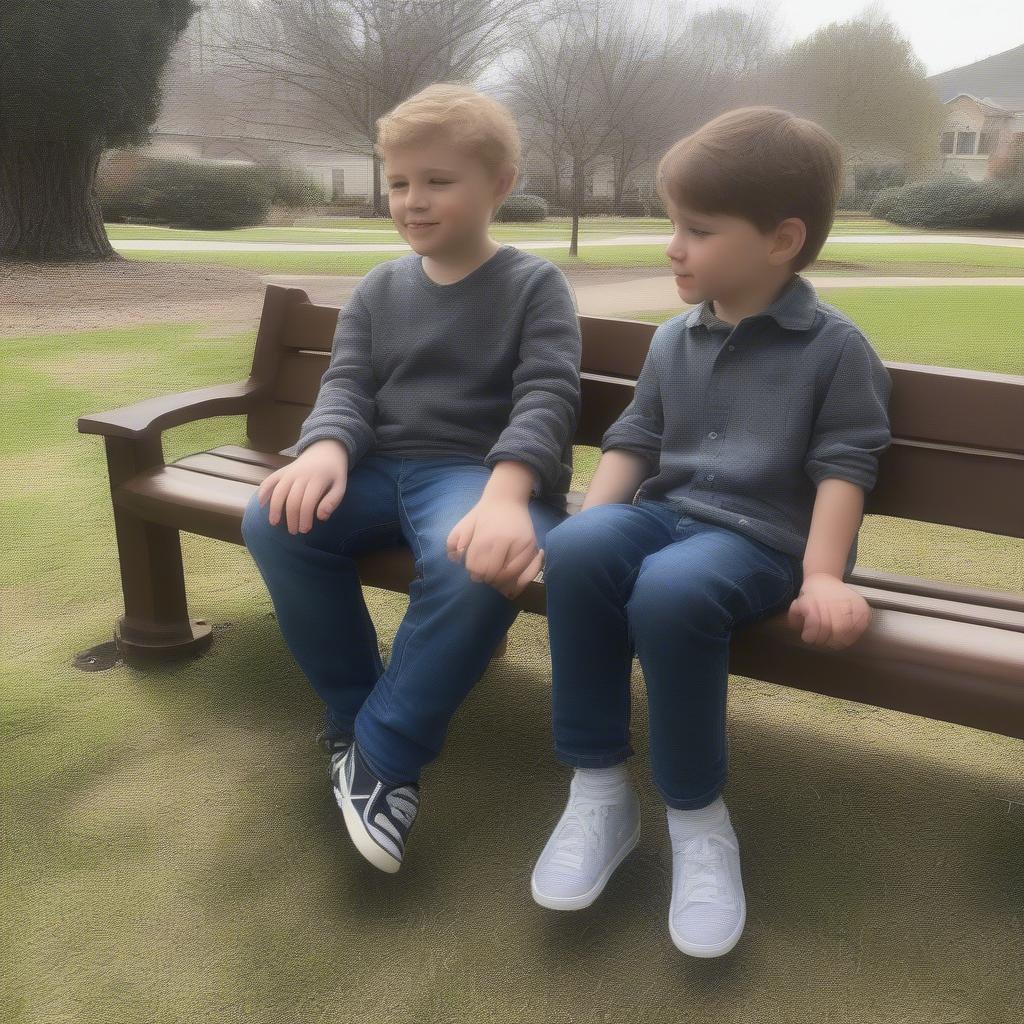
48	206
577	205
377	206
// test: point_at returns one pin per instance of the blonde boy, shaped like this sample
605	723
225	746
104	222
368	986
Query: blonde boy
731	488
444	421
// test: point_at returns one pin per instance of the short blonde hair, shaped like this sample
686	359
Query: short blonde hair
473	122
762	164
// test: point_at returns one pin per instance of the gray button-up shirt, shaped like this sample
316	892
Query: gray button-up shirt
740	424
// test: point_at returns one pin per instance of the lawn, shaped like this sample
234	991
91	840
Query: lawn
911	259
358	229
172	851
972	328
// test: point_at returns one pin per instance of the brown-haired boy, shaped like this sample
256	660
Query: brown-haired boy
753	435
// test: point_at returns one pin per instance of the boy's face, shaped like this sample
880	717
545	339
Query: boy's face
719	256
441	199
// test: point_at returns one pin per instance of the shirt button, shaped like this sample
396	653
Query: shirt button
711	476
743	522
713	434
731	347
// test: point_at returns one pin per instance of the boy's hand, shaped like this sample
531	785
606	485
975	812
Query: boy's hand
316	480
496	539
830	612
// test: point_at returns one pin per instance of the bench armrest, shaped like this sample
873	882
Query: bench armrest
154	415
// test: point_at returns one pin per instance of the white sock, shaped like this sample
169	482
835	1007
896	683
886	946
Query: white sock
684	823
602	781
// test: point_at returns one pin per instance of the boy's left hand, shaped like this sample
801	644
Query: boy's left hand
495	538
830	612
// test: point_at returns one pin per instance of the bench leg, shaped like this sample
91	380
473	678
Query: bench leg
155	625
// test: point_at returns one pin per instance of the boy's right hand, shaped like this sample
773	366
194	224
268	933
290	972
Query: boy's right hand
315	481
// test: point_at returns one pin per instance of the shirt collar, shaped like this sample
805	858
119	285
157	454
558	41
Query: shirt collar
793	309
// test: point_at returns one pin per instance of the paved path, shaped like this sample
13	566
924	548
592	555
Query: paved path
611	297
205	245
659	293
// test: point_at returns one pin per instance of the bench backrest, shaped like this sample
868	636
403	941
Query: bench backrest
957	455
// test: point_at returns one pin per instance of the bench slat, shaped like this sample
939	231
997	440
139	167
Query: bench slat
916	656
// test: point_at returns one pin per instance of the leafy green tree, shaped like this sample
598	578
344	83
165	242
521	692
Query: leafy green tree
76	77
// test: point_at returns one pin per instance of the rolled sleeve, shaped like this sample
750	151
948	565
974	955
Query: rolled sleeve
345	403
852	426
545	385
640	426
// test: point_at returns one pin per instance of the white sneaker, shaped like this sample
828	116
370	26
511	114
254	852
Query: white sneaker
593	836
708	908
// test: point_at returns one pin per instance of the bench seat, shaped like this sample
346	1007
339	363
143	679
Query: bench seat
949	652
943	651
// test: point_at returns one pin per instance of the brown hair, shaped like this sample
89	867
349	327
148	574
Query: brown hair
473	122
760	163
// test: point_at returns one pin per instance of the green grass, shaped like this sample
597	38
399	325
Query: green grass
356	229
172	852
971	328
857	259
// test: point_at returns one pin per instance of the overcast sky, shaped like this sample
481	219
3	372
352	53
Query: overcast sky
944	33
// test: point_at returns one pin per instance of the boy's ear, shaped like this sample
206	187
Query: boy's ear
504	185
790	236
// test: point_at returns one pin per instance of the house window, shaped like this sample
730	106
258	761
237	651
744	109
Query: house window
965	143
946	143
987	142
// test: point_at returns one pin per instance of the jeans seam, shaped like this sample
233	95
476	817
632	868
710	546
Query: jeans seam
422	578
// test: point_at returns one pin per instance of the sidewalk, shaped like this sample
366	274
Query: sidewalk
659	293
613	297
204	245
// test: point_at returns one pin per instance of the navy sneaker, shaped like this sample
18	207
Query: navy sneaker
378	816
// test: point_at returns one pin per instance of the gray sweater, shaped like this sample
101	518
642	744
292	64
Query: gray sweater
740	424
488	366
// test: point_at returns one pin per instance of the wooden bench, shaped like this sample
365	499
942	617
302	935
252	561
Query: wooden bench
953	653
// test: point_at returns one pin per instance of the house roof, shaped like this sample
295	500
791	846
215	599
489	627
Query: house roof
999	79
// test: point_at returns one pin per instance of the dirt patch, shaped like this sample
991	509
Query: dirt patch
50	298
55	298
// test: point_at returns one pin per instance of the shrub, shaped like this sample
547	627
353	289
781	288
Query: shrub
522	207
289	187
190	194
953	201
884	199
858	199
870	177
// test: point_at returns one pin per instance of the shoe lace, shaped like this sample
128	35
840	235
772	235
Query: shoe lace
581	830
705	874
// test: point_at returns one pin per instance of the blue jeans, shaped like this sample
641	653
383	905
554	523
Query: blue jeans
649	580
400	714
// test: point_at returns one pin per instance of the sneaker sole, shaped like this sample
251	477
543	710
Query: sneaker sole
357	831
718	949
584	900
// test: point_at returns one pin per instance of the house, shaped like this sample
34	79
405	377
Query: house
984	113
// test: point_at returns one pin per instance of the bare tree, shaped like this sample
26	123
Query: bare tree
693	67
622	79
331	68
